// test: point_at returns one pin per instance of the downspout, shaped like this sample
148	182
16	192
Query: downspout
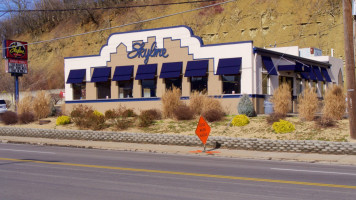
253	79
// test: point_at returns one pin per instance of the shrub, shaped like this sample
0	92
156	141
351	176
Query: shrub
200	103
145	119
128	113
9	117
213	115
308	104
62	120
25	104
96	121
122	123
245	106
170	101
183	112
240	120
274	117
211	103
282	99
196	102
324	122
110	114
334	103
154	113
42	105
26	117
98	114
80	114
283	126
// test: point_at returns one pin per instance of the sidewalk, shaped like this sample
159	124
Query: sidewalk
184	150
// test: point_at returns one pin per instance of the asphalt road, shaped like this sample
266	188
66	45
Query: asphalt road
43	172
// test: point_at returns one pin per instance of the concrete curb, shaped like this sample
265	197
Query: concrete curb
185	150
307	146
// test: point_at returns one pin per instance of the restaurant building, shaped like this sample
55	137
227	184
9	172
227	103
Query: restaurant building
134	69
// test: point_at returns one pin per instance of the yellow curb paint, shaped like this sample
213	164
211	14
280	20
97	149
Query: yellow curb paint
184	173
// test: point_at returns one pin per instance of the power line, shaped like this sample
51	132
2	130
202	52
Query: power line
109	8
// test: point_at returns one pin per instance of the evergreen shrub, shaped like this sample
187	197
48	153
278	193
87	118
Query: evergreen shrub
245	106
240	120
62	120
283	126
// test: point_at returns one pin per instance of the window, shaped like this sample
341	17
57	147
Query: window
103	89
125	89
149	87
79	90
231	84
322	88
199	84
299	86
314	86
176	82
265	84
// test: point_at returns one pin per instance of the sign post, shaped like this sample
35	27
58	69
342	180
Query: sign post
15	55
202	131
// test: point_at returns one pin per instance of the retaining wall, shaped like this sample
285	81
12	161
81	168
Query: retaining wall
307	146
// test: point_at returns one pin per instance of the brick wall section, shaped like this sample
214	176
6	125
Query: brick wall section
307	146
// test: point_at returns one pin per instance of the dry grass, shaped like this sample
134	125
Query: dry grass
170	101
282	99
308	104
196	102
334	103
201	103
42	105
25	104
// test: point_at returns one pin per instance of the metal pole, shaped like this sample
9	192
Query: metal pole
350	66
16	90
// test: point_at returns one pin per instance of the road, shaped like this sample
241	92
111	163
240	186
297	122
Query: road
29	172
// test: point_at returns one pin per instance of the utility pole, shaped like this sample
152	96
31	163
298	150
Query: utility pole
350	66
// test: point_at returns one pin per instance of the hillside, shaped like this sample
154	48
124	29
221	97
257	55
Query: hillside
305	23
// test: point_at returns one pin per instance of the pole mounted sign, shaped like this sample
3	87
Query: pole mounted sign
15	54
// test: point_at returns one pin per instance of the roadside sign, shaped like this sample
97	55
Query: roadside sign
203	130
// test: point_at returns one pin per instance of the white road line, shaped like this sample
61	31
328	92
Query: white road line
43	152
311	171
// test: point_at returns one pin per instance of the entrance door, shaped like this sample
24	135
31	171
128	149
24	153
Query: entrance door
289	81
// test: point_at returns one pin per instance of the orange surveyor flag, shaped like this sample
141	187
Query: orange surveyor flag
203	130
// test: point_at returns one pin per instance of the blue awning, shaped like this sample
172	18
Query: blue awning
305	75
318	73
145	72
311	74
76	76
171	70
123	73
286	67
196	68
326	74
267	61
101	74
229	66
